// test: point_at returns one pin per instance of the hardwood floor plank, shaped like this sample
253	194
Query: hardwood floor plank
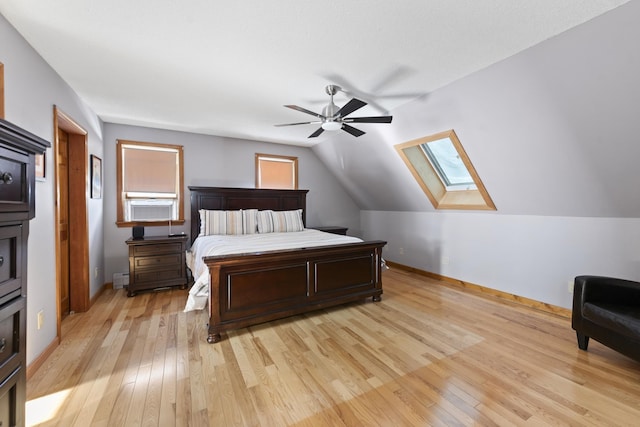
168	395
151	413
99	381
427	354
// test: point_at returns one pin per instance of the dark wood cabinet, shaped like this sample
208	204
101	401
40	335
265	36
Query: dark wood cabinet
156	262
18	149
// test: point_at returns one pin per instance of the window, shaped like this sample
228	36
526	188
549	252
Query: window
150	182
445	173
280	172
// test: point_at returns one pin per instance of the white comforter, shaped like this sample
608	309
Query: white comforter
244	243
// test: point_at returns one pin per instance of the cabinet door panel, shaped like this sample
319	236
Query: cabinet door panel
10	262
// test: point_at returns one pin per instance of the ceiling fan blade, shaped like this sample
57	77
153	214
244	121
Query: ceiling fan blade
299	123
316	133
304	110
376	119
350	107
353	131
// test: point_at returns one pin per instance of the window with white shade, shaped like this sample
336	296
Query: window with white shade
276	172
150	182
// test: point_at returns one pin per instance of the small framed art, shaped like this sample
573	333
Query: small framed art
96	177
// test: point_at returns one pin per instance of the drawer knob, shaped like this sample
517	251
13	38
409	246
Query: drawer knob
3	344
6	178
1	260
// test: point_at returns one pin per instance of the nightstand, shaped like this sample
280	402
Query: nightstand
156	262
332	229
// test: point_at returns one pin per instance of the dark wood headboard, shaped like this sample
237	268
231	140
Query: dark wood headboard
222	198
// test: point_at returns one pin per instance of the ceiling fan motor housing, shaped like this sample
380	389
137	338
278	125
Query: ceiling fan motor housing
330	110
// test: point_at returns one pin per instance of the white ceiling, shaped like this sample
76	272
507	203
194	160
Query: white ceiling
227	68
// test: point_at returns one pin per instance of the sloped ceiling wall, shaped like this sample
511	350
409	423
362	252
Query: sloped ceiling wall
552	130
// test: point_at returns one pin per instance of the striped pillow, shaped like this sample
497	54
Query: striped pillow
265	222
220	222
250	221
285	221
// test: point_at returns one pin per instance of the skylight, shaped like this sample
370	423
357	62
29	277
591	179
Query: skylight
447	162
444	172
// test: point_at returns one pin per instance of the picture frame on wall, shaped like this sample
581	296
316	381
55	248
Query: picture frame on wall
41	166
96	177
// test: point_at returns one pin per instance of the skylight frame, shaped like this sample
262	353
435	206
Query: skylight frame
441	195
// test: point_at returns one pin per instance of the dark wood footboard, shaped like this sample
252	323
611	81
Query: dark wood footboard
252	288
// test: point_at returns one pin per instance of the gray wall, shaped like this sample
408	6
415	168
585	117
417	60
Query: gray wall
552	133
226	162
32	88
527	255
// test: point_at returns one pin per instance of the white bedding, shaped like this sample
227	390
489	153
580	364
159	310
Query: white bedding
244	243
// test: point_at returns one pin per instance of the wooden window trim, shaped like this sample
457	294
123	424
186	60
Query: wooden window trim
120	222
430	182
261	156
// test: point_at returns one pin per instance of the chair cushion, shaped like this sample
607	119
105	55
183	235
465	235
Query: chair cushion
623	319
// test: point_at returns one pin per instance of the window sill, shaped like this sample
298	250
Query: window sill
164	223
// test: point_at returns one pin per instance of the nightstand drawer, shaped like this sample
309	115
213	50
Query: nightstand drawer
158	276
157	249
160	262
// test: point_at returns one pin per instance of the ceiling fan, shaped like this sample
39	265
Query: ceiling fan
334	118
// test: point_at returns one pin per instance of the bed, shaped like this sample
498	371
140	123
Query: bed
248	288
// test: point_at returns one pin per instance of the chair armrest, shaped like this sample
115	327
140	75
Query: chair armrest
606	290
601	289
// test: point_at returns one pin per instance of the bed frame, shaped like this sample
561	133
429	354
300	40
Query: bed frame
257	287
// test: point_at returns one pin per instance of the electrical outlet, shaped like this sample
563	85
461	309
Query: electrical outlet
445	260
401	251
40	319
570	286
96	273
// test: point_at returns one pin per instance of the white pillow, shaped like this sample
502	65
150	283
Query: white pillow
249	221
265	222
285	221
220	222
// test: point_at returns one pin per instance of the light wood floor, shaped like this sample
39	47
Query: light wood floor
428	354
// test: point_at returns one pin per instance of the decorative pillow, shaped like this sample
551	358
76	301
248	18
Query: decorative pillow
250	221
220	222
265	222
234	222
285	221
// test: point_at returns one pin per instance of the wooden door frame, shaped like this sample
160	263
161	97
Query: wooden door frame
79	283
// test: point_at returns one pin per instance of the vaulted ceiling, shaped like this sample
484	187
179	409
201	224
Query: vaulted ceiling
227	68
543	95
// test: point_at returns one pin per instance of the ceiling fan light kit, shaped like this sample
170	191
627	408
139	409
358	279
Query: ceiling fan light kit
335	118
330	125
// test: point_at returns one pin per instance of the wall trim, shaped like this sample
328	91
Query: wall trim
487	292
103	288
33	367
